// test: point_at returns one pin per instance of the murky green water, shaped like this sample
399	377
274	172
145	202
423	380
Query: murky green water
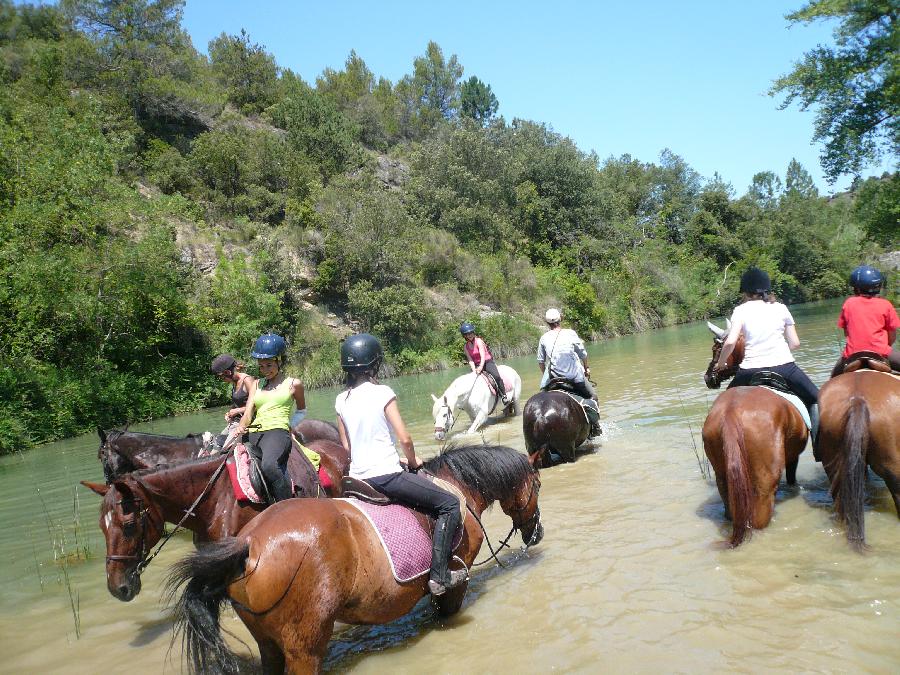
625	579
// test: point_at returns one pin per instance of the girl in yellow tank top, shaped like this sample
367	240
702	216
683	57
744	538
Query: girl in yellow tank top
268	413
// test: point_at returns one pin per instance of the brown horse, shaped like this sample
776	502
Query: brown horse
859	427
553	421
302	565
136	507
750	436
123	451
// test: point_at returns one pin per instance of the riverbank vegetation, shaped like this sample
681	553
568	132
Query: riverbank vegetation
158	206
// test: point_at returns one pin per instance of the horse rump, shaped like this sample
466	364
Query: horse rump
206	576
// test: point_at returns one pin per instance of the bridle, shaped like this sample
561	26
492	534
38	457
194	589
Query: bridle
144	559
449	418
535	520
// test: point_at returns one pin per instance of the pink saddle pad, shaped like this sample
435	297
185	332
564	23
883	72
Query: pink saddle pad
507	383
406	543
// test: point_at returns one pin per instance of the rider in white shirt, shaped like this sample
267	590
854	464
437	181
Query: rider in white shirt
561	353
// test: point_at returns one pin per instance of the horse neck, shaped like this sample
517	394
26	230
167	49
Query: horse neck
174	490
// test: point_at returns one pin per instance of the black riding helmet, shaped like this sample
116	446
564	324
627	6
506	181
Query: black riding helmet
755	280
866	280
361	352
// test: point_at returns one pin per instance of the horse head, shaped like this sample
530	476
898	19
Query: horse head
114	463
522	507
442	412
131	526
712	377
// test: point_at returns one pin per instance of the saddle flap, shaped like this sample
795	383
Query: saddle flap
768	378
360	489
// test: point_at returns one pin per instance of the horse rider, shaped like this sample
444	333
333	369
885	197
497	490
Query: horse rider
561	354
770	336
371	427
268	413
226	368
870	323
480	358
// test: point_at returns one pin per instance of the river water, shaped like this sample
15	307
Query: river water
626	579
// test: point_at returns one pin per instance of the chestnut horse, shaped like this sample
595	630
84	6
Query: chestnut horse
304	564
553	421
136	507
123	451
860	426
750	436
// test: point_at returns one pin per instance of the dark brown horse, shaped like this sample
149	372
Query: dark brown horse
136	507
304	564
750	436
553	421
123	451
860	427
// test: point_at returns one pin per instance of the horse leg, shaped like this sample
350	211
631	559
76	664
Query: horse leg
790	471
478	422
272	658
308	647
450	602
722	485
892	480
763	508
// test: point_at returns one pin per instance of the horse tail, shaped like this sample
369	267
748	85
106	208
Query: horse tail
849	485
206	576
737	475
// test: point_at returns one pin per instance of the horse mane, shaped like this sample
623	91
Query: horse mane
490	469
159	468
113	434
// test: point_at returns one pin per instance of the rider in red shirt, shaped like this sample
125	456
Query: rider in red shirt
869	322
480	358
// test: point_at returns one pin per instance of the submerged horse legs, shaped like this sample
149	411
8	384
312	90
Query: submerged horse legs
790	471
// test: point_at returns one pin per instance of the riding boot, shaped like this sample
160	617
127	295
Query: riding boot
442	579
814	429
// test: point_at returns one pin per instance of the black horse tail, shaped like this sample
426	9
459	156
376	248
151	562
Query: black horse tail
206	576
849	486
737	476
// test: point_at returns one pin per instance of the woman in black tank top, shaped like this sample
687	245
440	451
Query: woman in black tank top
228	369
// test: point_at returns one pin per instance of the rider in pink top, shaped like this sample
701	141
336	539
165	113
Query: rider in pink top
480	358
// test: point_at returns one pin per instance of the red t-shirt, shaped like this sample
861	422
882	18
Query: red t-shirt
867	321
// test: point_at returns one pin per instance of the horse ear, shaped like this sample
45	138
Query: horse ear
100	488
434	398
101	434
445	400
535	459
123	489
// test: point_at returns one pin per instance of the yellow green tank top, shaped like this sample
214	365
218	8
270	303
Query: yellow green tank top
273	407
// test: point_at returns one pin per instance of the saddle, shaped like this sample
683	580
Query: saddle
866	360
772	380
304	476
361	490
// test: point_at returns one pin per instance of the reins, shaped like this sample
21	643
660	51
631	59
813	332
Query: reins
504	544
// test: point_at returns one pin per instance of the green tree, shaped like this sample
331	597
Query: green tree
246	70
431	94
798	182
878	208
477	100
855	85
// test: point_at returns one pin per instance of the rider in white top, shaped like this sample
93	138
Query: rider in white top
369	432
567	357
371	428
764	325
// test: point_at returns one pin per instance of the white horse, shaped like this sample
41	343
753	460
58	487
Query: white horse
472	394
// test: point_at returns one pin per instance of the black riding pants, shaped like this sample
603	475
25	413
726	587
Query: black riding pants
490	367
275	446
797	380
584	388
422	494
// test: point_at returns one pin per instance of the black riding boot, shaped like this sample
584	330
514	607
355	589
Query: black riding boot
442	579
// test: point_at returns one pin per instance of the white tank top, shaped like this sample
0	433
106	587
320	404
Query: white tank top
763	328
373	450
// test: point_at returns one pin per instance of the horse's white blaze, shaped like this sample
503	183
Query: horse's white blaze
107	519
471	393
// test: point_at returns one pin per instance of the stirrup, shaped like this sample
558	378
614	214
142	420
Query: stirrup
457	577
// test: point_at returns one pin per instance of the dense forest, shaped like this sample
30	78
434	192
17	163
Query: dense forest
158	205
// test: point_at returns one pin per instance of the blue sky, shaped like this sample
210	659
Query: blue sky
616	77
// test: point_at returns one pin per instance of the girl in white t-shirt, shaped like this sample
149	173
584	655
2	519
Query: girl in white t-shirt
370	427
769	338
